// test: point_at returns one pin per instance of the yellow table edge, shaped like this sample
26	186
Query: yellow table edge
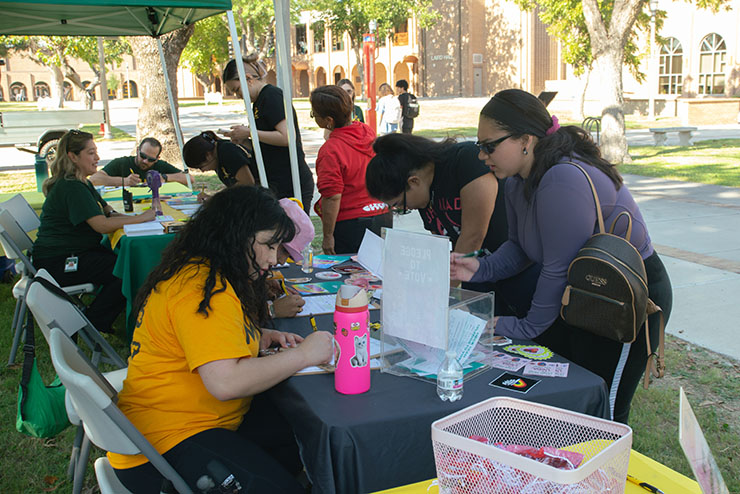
641	467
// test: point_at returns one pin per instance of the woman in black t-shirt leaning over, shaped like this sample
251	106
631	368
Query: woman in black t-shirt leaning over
272	128
455	193
232	162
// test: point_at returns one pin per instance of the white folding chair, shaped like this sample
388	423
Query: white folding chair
50	310
107	479
94	400
15	241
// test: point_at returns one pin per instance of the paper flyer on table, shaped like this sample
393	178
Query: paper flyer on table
547	369
370	255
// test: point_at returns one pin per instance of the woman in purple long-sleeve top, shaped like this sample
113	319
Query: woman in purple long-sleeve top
551	214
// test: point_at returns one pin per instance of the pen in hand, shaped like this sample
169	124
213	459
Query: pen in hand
477	253
644	485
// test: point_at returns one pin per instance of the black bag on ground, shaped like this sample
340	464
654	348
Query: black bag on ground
607	292
411	110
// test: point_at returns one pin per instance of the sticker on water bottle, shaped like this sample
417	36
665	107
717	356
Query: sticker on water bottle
450	383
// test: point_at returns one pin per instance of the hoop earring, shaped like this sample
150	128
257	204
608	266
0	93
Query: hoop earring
525	152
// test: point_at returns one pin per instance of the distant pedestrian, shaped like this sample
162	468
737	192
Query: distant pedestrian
409	106
388	109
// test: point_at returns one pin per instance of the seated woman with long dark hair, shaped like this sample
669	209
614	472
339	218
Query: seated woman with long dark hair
74	219
195	364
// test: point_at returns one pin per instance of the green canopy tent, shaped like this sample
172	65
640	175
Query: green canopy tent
149	18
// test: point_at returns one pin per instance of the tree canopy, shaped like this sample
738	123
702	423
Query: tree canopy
56	52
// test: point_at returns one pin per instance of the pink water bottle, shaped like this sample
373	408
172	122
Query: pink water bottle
351	317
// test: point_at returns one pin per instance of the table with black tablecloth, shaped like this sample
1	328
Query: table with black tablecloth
382	438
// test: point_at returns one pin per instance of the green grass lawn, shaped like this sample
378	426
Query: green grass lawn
708	162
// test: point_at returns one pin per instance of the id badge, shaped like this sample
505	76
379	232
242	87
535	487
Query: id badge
70	264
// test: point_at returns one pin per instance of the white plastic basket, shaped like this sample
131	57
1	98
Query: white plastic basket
468	466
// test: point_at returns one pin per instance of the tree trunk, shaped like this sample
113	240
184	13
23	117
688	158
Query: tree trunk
205	80
581	101
57	86
357	48
155	117
87	92
608	66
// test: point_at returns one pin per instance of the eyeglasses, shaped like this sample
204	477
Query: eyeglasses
402	210
147	158
311	114
490	146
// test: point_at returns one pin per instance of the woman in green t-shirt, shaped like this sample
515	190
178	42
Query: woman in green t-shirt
73	220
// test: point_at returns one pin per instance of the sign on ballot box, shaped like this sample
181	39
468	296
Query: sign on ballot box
416	287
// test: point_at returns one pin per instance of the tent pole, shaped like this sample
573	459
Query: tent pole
104	90
247	103
282	18
175	117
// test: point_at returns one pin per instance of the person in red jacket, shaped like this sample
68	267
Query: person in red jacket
346	209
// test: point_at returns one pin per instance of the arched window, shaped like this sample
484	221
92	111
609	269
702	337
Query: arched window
671	67
130	90
18	92
712	65
41	90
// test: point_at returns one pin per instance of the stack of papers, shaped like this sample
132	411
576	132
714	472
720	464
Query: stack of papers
142	229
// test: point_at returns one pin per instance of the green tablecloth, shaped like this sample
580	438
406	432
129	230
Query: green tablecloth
36	199
137	257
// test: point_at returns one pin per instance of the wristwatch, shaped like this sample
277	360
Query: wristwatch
164	176
271	308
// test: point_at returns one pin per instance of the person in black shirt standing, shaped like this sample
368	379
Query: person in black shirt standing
269	115
402	91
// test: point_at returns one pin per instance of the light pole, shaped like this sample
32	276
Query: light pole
652	69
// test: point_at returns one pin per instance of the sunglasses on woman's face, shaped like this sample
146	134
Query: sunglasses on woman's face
490	147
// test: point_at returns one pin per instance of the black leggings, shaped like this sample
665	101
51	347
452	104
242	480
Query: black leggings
93	266
262	455
602	356
348	234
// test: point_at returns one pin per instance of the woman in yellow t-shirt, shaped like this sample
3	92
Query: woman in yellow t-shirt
194	369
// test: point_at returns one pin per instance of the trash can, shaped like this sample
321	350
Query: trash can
42	171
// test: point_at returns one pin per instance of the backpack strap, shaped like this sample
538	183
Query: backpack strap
599	215
59	292
656	361
629	225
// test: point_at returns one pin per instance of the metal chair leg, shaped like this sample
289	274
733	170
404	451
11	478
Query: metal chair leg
19	331
74	457
81	466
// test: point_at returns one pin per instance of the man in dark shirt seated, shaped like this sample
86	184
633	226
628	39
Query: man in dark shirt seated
132	169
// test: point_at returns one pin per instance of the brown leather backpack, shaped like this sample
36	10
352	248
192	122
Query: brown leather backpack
607	292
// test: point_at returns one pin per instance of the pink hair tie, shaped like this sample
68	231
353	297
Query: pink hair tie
555	126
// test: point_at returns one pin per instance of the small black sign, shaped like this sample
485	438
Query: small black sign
512	382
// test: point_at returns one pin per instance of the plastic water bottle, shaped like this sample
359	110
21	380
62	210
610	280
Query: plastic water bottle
450	378
307	264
